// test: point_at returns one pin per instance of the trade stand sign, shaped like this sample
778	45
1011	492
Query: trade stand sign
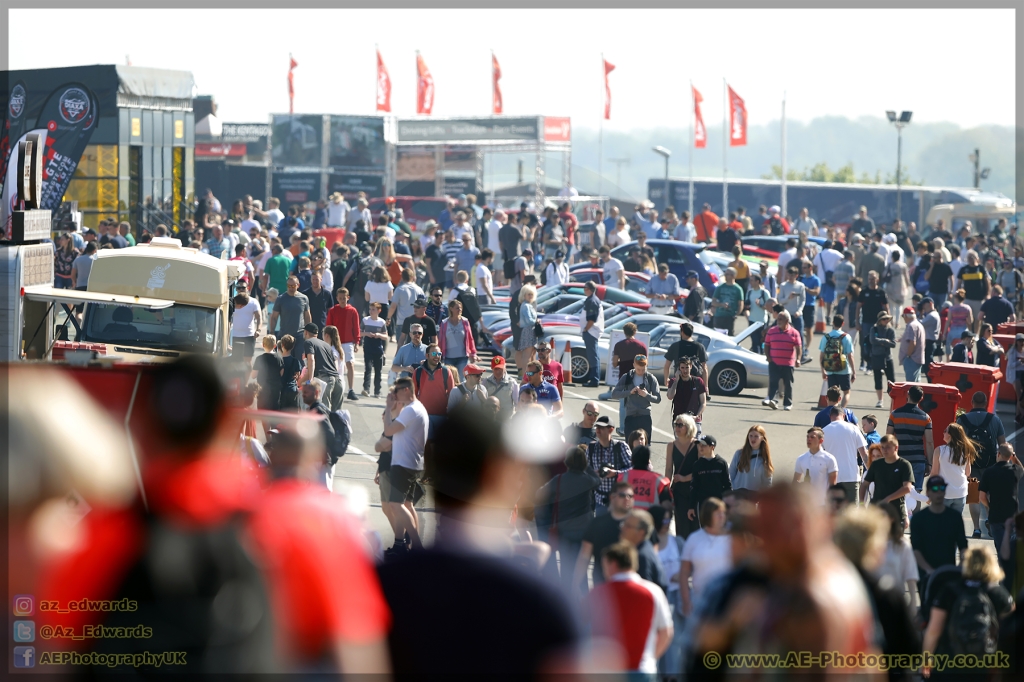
296	188
497	129
220	149
351	183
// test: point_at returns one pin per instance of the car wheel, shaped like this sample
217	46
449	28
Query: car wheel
728	378
579	364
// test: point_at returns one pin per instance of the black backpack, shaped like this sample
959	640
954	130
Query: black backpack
338	445
983	440
198	592
973	622
470	305
509	269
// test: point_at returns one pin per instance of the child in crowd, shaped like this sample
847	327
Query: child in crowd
290	379
374	332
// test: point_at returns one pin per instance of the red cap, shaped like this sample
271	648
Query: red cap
473	369
390	200
497	361
909	311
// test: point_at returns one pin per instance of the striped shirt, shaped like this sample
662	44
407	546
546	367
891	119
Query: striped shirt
783	346
909	424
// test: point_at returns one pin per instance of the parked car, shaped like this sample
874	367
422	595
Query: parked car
680	256
635	281
776	243
417	210
612	295
731	367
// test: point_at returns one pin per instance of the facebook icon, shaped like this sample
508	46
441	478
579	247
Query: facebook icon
24	657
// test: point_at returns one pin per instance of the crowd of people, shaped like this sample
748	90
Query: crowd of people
574	554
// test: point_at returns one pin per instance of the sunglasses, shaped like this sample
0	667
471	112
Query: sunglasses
937	488
589	413
543	350
416	333
435	355
530	374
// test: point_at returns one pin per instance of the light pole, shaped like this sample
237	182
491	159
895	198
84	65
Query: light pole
900	123
979	172
665	153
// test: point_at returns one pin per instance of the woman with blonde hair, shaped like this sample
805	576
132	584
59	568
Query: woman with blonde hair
953	461
751	467
393	261
333	399
980	576
680	456
527	320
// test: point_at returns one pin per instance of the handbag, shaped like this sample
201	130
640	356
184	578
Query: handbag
538	330
972	491
553	531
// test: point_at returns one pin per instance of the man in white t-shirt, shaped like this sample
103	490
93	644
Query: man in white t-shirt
245	326
408	434
337	211
360	212
274	213
631	611
817	466
484	278
493	226
845	442
614	273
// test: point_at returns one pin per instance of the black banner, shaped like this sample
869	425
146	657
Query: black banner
69	118
15	115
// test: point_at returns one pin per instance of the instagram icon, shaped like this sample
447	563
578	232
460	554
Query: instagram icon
24	605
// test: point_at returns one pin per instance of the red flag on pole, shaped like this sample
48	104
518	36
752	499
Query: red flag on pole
737	120
700	133
608	68
424	87
291	84
496	76
383	86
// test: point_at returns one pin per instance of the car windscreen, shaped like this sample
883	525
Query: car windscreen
181	327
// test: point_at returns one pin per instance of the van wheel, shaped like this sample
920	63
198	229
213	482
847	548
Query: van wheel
727	378
580	364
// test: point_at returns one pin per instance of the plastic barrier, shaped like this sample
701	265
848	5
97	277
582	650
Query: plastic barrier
1006	390
1010	328
968	379
940	402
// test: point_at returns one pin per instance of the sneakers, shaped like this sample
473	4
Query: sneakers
878	404
766	402
976	535
787	408
352	395
591	384
377	395
365	393
772	404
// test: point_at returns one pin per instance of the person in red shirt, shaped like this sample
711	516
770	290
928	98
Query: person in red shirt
706	222
570	224
649	487
783	346
552	368
346	319
630	611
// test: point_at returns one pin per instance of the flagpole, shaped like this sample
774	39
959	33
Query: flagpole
600	135
725	147
783	204
693	116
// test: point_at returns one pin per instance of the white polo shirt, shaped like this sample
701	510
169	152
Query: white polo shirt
407	445
842	439
817	467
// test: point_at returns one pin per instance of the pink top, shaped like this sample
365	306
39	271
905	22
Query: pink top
783	346
958	315
443	342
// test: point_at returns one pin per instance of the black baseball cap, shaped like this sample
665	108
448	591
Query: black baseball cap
312	328
708	440
419	303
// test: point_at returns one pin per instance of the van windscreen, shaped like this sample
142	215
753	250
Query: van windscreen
184	328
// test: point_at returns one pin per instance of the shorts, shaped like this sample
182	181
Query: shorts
403	484
244	346
840	380
809	314
348	351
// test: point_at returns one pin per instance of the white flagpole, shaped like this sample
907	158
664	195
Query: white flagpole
783	205
600	134
726	135
693	117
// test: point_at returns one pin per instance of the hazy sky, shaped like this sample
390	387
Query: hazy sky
829	62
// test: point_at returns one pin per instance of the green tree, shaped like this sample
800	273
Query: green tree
820	172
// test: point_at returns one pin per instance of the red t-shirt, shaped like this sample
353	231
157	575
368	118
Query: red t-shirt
553	375
705	224
626	350
737	225
647	486
323	586
569	224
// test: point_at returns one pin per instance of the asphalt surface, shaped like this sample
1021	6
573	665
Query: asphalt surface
728	419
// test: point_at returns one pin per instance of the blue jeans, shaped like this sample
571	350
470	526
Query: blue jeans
459	364
956	504
798	324
919	468
61	282
591	343
912	370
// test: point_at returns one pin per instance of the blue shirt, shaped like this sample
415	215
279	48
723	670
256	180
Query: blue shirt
824	417
811	282
547	393
445	220
873	437
410	355
670	285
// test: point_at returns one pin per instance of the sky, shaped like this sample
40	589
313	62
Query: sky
829	62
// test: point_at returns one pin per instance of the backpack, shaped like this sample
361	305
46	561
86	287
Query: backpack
982	437
341	422
211	572
509	269
973	623
470	305
366	268
544	271
444	378
834	359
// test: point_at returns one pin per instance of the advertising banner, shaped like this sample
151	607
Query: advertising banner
220	150
297	140
351	183
612	373
296	188
15	115
504	129
65	124
557	129
357	142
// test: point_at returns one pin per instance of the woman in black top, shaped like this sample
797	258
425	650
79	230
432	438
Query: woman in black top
988	349
680	456
63	258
